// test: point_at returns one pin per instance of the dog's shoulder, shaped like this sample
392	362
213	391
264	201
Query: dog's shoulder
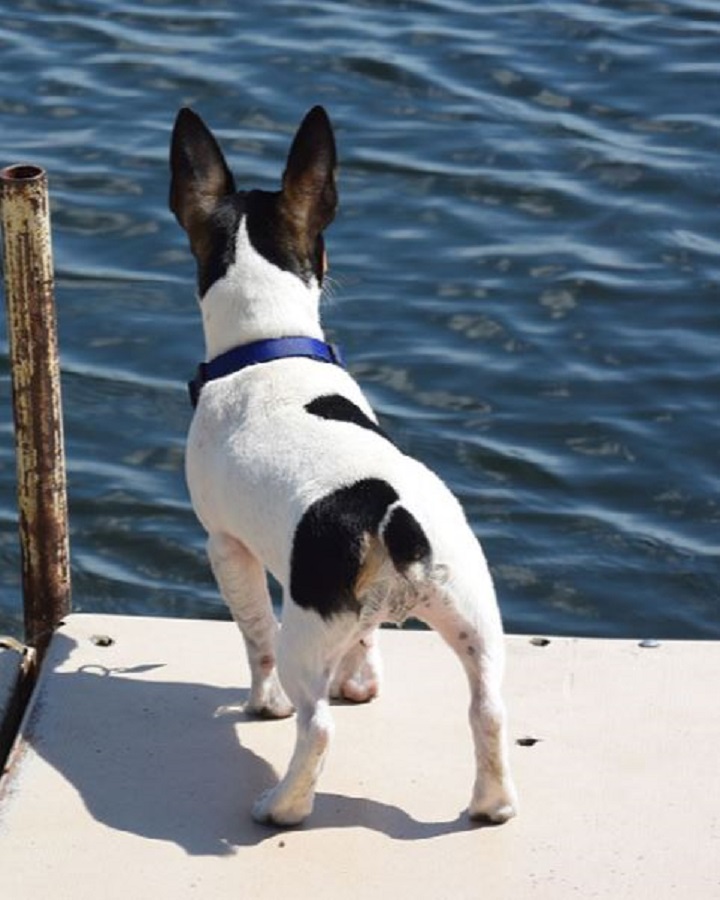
294	393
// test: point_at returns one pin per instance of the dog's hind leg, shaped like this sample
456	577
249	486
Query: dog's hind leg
243	585
466	617
309	650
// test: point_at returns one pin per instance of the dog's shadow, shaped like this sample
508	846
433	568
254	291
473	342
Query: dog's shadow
165	760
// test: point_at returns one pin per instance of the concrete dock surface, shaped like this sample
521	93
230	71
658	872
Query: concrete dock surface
136	768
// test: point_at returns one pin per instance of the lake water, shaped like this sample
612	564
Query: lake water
526	276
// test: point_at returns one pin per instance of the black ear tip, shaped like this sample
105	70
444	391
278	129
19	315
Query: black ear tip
188	119
318	117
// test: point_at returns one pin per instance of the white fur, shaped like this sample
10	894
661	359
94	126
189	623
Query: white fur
239	303
256	460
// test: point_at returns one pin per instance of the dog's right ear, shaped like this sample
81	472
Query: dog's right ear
200	175
309	191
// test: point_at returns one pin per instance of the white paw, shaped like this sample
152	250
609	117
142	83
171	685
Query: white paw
358	689
497	815
272	808
268	700
358	676
496	807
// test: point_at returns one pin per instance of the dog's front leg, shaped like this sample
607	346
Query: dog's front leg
309	650
243	584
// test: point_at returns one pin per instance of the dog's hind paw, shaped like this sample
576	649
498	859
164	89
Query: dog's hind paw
272	809
494	810
497	816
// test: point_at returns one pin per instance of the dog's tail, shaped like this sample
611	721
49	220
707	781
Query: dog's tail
399	537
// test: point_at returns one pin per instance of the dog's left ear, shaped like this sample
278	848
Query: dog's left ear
308	185
200	175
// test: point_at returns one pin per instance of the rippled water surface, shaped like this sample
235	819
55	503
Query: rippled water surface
526	276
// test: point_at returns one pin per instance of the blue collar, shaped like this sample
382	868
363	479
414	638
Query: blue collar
261	352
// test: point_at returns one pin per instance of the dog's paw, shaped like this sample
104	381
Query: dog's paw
358	676
494	808
268	700
269	710
494	816
272	808
358	689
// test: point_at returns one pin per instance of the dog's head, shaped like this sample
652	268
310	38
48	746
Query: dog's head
229	228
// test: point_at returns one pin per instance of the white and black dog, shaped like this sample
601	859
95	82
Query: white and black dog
289	472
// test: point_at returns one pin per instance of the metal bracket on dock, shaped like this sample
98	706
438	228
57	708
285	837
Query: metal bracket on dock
17	677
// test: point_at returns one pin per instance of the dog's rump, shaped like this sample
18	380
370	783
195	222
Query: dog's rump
343	540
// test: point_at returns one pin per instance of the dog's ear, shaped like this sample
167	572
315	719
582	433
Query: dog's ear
200	175
308	186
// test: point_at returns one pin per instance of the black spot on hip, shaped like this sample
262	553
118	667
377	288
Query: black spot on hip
329	542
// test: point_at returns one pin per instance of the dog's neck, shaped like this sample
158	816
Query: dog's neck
256	300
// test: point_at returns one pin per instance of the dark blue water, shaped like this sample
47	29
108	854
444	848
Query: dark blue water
526	276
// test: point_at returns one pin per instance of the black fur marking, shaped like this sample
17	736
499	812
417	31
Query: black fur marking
405	540
268	233
272	237
328	545
340	409
219	244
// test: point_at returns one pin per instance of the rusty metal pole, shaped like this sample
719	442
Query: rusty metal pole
41	482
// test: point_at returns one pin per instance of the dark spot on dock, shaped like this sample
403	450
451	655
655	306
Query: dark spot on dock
102	640
539	641
527	741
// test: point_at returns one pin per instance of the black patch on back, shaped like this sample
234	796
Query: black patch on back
328	545
340	409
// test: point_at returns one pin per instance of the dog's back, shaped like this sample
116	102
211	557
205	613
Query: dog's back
291	461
